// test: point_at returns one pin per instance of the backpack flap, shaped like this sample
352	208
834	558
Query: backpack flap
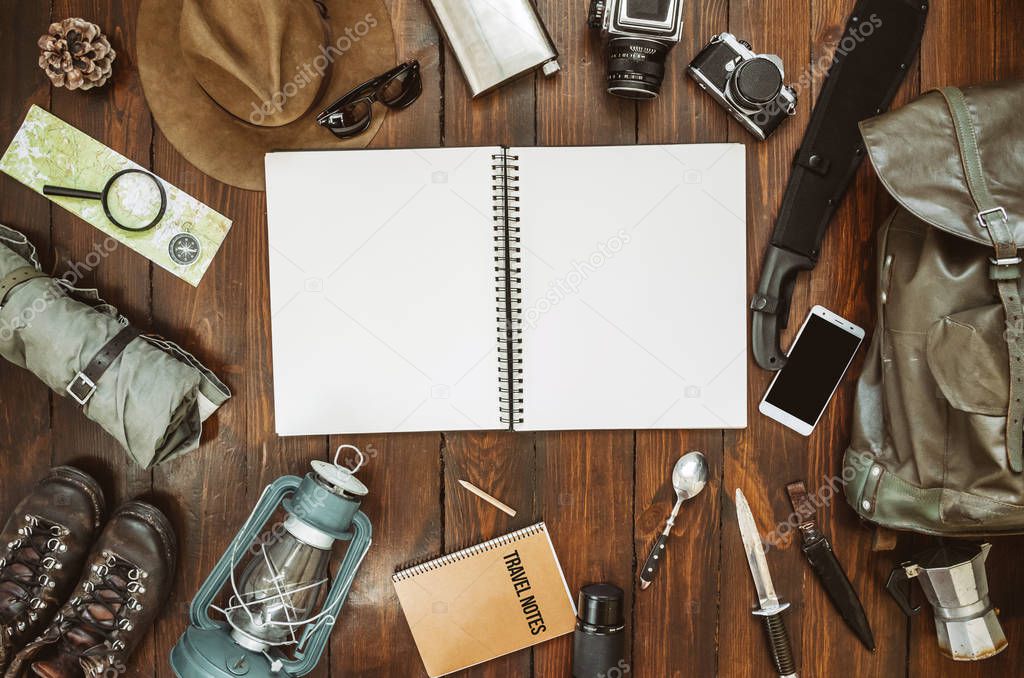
916	155
955	161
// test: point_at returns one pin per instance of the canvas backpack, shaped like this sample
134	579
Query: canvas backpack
939	413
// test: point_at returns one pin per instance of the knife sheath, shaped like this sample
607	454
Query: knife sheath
830	573
825	564
871	60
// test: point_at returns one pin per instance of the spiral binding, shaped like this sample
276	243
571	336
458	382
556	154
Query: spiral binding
451	558
508	269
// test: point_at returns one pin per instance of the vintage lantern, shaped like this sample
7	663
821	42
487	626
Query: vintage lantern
283	603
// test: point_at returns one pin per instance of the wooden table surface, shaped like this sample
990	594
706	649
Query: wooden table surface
603	494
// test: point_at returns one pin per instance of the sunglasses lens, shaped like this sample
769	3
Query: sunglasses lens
399	87
351	118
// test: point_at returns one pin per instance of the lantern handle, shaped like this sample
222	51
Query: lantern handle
265	508
362	458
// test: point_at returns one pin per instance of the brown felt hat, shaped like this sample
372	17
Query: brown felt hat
230	80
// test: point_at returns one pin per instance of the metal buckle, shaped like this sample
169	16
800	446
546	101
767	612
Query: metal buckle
1010	261
993	210
81	389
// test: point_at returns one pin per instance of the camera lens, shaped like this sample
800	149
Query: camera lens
599	644
636	67
755	83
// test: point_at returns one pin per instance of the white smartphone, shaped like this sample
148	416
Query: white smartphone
817	361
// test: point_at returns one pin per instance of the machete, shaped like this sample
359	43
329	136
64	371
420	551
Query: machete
871	60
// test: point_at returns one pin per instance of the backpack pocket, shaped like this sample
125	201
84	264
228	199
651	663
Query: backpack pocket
968	358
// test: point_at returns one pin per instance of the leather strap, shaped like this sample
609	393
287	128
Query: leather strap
17	277
83	386
805	509
1005	270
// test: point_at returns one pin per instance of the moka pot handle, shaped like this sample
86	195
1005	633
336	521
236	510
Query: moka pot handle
898	586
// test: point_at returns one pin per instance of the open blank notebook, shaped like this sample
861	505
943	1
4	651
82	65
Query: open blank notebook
523	288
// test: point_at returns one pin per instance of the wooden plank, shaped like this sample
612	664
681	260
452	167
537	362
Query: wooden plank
403	475
25	410
498	462
584	494
765	456
403	470
584	480
117	116
676	620
224	323
847	263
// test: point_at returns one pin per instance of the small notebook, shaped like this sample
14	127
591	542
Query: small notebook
527	289
486	601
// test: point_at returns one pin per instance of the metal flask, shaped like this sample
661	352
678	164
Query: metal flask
495	41
954	582
281	600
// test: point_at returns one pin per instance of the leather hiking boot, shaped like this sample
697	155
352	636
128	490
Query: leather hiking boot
42	549
129	576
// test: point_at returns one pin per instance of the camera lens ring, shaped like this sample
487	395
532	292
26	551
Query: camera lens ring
636	67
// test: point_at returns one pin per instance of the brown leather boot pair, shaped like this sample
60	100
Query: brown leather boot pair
124	574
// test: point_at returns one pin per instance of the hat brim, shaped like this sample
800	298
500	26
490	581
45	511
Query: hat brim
232	150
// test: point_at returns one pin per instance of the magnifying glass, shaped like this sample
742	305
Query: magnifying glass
133	199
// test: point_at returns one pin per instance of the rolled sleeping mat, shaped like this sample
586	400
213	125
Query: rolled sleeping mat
148	393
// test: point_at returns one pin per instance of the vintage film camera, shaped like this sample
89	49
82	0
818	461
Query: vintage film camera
640	35
749	85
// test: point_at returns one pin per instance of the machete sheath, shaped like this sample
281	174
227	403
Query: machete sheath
872	58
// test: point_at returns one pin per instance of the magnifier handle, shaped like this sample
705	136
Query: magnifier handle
63	192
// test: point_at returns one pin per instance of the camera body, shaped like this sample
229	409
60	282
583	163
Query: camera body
640	34
751	86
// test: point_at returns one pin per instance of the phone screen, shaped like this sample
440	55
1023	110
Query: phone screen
813	369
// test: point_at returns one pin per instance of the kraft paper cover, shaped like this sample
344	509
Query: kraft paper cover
477	604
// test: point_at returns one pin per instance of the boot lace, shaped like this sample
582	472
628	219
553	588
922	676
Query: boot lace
26	565
103	610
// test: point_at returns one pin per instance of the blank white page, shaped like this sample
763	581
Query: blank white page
382	291
634	301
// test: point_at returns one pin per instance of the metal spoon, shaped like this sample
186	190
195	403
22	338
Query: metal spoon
689	476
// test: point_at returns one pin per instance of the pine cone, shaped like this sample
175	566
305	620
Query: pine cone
76	54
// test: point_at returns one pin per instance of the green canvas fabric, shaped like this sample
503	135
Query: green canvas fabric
154	397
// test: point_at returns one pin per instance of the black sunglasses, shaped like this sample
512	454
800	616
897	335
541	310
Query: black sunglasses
352	114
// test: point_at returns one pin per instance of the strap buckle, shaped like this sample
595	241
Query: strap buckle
994	210
1009	261
81	389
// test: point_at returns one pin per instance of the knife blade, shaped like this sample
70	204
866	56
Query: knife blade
771	607
822	558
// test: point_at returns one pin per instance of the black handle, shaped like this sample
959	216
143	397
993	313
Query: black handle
654	559
898	586
778	643
64	192
771	304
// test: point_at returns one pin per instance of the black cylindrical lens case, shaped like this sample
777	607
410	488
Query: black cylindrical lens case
600	642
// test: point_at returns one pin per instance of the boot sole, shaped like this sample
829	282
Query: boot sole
87	483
